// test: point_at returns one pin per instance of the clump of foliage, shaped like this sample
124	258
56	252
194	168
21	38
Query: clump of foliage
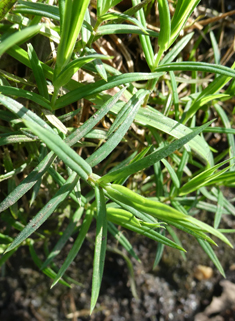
92	172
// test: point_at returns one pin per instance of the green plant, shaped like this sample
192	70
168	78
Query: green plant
46	137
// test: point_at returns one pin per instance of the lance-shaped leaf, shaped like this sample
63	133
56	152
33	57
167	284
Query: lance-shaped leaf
201	102
38	9
160	211
76	247
110	29
98	64
47	271
114	140
65	75
165	29
199	66
104	5
129	221
38	99
209	251
45	212
5	6
122	16
152	158
38	72
73	15
122	240
182	12
18	37
28	182
202	179
21	111
62	150
100	245
64	237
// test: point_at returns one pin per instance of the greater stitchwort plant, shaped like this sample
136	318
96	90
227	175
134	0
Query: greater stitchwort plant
119	147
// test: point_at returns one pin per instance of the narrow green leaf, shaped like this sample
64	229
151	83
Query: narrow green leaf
5	6
226	202
49	272
123	113
38	99
71	68
165	29
114	140
39	9
135	159
85	32
172	173
215	48
175	95
76	247
23	112
230	137
177	49
144	40
219	210
92	121
64	237
18	37
160	248
110	29
101	85
201	102
38	72
100	246
127	220
61	4
199	66
28	182
121	17
135	8
98	64
201	179
13	139
45	212
152	158
72	22
176	239
62	150
209	251
122	240
104	5
220	130
182	12
151	117
4	258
